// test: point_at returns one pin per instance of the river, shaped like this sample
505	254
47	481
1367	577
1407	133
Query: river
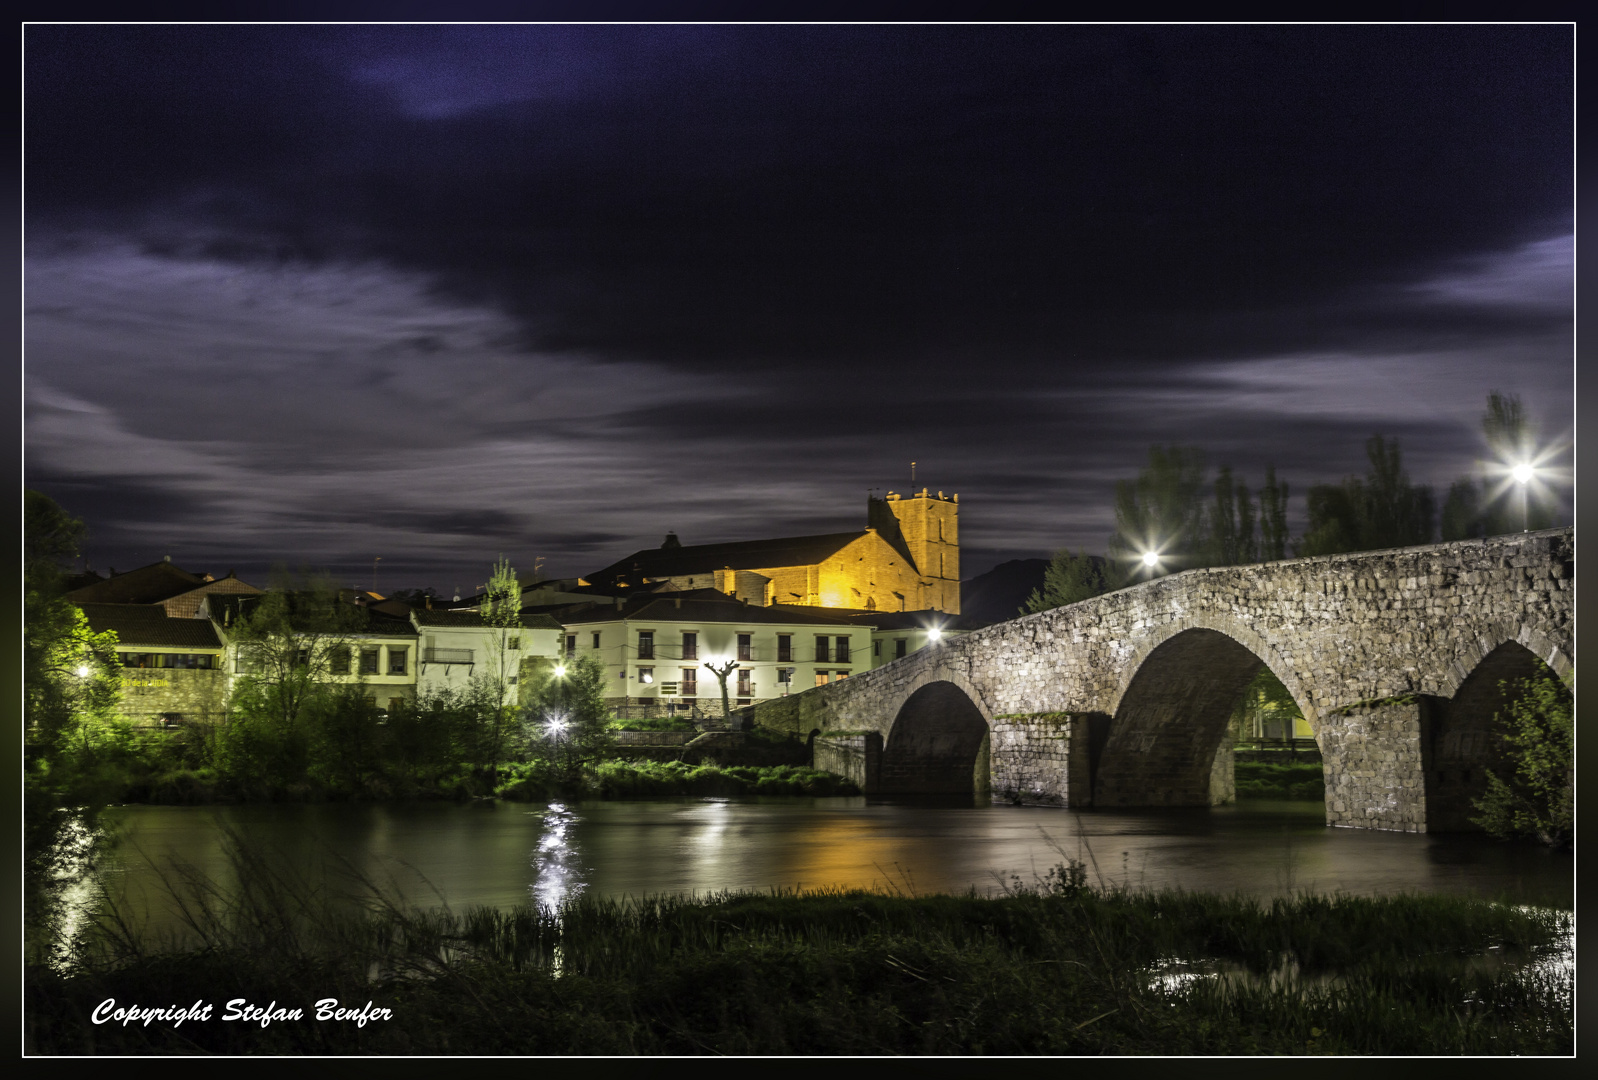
503	854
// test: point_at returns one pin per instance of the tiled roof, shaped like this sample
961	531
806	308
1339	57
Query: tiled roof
667	609
434	617
228	609
148	625
741	555
146	585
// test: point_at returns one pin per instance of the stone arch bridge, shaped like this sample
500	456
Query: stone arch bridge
1395	658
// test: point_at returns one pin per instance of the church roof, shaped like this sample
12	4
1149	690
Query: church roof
692	607
146	585
739	555
148	625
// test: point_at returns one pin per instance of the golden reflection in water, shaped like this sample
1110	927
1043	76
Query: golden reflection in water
557	875
845	851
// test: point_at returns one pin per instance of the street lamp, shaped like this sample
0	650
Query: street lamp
934	635
1151	559
1523	474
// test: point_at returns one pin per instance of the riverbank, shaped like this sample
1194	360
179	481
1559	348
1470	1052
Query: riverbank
1054	967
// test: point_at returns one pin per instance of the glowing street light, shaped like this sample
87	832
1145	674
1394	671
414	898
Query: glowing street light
934	635
1151	559
83	671
1523	473
560	671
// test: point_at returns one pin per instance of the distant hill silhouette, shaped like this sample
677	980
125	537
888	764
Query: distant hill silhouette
997	596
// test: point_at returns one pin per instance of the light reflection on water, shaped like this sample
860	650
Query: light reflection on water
505	854
557	867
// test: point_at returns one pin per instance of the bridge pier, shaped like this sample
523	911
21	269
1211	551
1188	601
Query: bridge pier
1375	764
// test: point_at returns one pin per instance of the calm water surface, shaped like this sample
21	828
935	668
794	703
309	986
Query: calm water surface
503	854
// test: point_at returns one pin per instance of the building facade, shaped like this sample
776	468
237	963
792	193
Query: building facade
906	559
658	650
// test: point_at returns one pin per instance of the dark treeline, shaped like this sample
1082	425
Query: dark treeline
1180	517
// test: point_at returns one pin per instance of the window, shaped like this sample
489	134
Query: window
596	639
516	644
690	646
876	648
746	647
302	658
187	660
839	676
338	660
743	682
785	648
823	649
571	645
646	644
785	675
396	659
369	664
821	678
898	648
140	659
843	651
690	681
171	719
646	674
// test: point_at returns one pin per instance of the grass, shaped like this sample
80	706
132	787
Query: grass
1263	780
1054	968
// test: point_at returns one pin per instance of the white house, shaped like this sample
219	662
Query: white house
456	645
657	649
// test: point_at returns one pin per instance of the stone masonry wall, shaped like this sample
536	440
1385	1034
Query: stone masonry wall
1337	630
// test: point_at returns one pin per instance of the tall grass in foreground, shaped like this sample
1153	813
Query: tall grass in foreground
1055	968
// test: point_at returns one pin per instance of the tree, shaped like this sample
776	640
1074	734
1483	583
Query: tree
1161	511
1492	503
568	718
290	643
1380	510
1230	524
500	611
1273	517
71	692
721	671
71	675
1068	579
1536	734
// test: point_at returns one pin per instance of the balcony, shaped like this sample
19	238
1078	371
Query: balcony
447	656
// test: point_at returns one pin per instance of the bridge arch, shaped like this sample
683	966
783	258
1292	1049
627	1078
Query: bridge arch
1170	716
1532	637
1239	632
937	740
1460	740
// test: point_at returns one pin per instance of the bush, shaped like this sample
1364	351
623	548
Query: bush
1537	737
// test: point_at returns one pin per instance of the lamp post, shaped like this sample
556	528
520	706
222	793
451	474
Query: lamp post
1523	474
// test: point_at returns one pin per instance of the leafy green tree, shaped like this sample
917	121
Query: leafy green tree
71	697
568	718
501	614
1067	580
1266	704
1380	510
1537	737
290	644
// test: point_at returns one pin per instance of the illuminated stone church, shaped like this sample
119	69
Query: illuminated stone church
907	558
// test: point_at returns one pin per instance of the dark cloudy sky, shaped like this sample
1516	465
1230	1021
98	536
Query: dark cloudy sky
432	293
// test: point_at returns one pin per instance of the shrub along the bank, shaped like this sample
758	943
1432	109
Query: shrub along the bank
1263	780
